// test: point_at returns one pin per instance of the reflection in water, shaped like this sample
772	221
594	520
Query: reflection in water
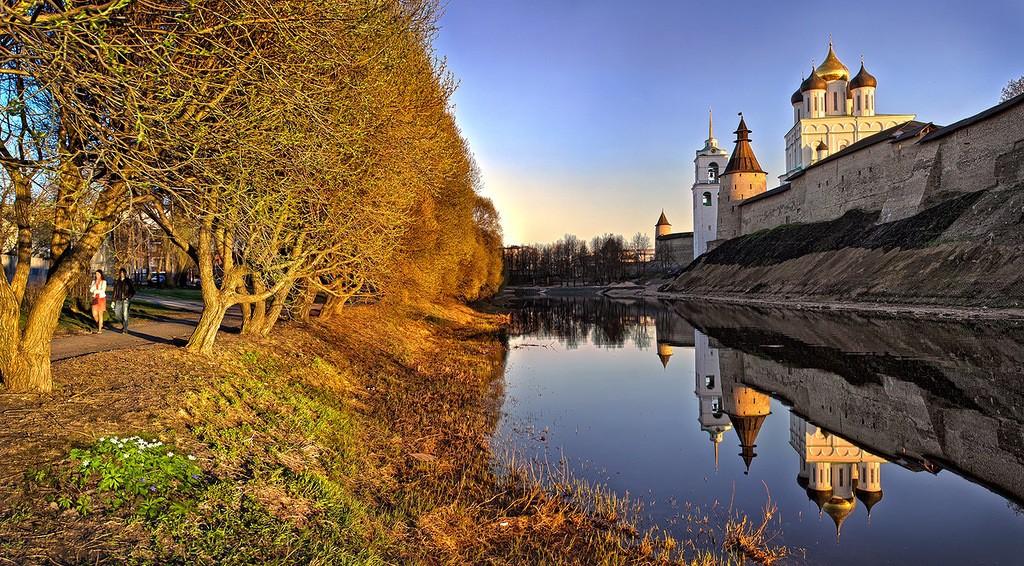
832	469
708	389
860	392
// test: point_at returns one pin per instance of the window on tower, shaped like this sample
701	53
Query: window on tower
713	172
706	200
835	101
709	381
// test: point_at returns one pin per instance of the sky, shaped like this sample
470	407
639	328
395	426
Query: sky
584	115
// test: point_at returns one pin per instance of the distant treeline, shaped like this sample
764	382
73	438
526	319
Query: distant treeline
572	261
288	149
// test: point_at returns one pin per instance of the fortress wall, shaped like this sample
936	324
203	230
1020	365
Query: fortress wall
772	211
975	157
899	179
674	250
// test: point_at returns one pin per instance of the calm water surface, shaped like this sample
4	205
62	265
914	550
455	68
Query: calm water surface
881	440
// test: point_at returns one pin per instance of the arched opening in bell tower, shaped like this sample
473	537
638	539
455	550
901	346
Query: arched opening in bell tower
712	172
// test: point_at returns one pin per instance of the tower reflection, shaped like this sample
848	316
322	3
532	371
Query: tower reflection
708	388
834	472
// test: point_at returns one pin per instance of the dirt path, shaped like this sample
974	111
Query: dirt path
140	332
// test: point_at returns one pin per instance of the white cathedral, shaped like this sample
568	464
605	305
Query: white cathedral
831	112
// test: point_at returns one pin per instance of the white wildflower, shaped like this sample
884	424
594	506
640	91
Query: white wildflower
170	454
191	457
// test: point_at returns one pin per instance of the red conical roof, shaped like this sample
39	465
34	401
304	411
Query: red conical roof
742	159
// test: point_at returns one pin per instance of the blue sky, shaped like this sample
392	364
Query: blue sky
584	115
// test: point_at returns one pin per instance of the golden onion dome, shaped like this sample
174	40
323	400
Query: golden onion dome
833	69
813	82
863	79
839	508
797	98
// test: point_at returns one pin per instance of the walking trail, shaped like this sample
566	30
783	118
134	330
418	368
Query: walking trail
163	331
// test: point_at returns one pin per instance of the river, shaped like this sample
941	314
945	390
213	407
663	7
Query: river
882	440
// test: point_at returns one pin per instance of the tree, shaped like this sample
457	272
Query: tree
1013	88
284	147
75	156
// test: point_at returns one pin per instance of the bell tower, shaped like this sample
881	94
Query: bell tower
708	166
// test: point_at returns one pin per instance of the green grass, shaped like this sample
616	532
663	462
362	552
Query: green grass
183	294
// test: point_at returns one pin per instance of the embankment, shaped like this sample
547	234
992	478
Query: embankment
967	251
364	440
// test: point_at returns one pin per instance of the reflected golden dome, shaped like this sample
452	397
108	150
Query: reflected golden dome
869	498
839	508
819	496
832	69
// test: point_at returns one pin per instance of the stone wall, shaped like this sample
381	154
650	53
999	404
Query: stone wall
899	179
673	250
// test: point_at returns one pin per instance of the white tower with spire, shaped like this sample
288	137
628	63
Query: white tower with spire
710	161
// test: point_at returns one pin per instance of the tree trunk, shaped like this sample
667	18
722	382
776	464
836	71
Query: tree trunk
203	337
256	311
274	312
29	369
308	293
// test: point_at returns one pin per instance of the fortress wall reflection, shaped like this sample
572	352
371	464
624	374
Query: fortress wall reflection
926	396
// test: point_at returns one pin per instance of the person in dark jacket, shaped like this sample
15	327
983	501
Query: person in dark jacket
124	290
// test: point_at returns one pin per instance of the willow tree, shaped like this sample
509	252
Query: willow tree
75	155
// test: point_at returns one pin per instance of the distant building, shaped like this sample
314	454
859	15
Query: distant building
842	155
831	112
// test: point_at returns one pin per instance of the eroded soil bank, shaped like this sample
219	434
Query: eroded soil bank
365	441
964	252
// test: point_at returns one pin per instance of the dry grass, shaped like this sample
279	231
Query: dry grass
756	541
363	442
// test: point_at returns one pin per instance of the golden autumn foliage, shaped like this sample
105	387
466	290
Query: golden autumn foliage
290	149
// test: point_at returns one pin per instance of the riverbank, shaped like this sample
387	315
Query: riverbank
655	291
363	440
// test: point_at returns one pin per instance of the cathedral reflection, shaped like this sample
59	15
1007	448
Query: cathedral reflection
834	472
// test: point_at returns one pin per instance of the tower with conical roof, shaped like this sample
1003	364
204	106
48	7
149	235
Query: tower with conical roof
741	179
662	228
708	166
831	109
